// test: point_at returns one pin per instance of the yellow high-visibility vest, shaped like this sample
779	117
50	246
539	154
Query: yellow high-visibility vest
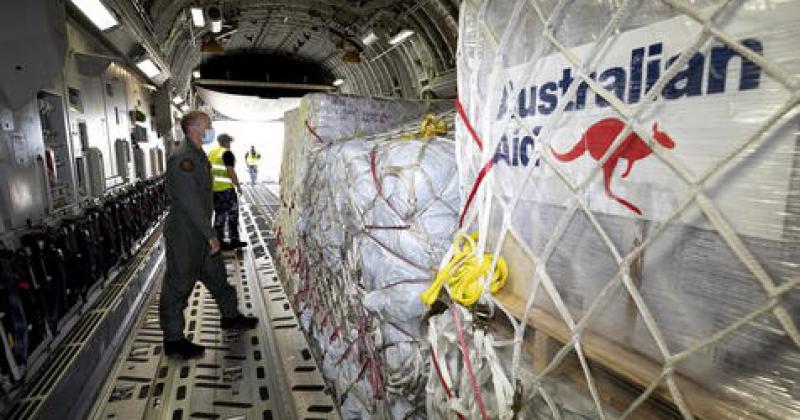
252	158
218	170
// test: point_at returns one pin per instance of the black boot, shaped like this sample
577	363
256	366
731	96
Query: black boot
238	244
183	348
239	322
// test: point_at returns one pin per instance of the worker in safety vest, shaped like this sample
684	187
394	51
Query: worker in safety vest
252	158
226	186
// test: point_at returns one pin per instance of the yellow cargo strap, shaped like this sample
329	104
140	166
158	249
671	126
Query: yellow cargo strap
464	274
431	126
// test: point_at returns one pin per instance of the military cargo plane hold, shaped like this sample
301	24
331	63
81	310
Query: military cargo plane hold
399	209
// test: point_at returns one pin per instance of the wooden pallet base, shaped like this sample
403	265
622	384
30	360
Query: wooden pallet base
620	374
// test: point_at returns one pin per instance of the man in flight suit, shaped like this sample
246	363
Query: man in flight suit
192	246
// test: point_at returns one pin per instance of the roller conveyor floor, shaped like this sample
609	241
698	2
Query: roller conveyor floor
266	373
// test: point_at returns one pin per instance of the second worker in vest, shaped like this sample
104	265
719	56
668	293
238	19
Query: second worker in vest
251	158
226	187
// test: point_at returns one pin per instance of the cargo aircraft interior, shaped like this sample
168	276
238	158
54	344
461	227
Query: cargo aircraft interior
399	209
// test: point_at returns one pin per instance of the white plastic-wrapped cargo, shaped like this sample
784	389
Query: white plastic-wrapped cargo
637	165
321	119
372	219
287	215
382	211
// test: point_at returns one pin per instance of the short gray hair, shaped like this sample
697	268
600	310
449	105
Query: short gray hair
191	119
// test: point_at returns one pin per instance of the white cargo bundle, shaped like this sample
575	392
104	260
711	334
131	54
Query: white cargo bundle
381	213
637	165
375	215
321	119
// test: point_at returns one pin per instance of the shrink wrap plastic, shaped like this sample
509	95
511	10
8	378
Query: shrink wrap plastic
644	187
369	223
321	119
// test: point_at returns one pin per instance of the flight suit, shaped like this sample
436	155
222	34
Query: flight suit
187	231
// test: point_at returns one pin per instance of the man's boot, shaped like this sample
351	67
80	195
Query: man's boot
239	322
238	244
183	348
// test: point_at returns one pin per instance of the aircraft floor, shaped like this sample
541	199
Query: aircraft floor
266	373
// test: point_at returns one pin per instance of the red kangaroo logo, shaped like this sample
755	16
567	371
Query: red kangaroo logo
598	138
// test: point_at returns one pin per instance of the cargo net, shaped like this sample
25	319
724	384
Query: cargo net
378	213
658	311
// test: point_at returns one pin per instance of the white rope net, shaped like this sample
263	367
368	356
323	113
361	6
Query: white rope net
383	209
367	219
681	279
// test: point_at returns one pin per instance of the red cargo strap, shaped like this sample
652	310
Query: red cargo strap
377	227
376	377
441	378
313	132
476	389
301	292
360	335
346	351
373	168
486	168
373	378
482	173
439	374
335	333
392	251
324	320
464	118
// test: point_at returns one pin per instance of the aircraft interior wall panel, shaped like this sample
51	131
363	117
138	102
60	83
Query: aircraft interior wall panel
23	193
53	114
141	99
140	163
24	190
38	25
138	98
99	112
116	114
80	41
76	82
153	140
93	116
73	115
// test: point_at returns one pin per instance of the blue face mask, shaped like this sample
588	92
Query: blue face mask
209	136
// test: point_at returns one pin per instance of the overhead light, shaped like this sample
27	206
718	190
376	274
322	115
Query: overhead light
148	67
184	107
177	99
197	17
401	36
369	38
97	12
150	87
338	82
216	19
196	74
